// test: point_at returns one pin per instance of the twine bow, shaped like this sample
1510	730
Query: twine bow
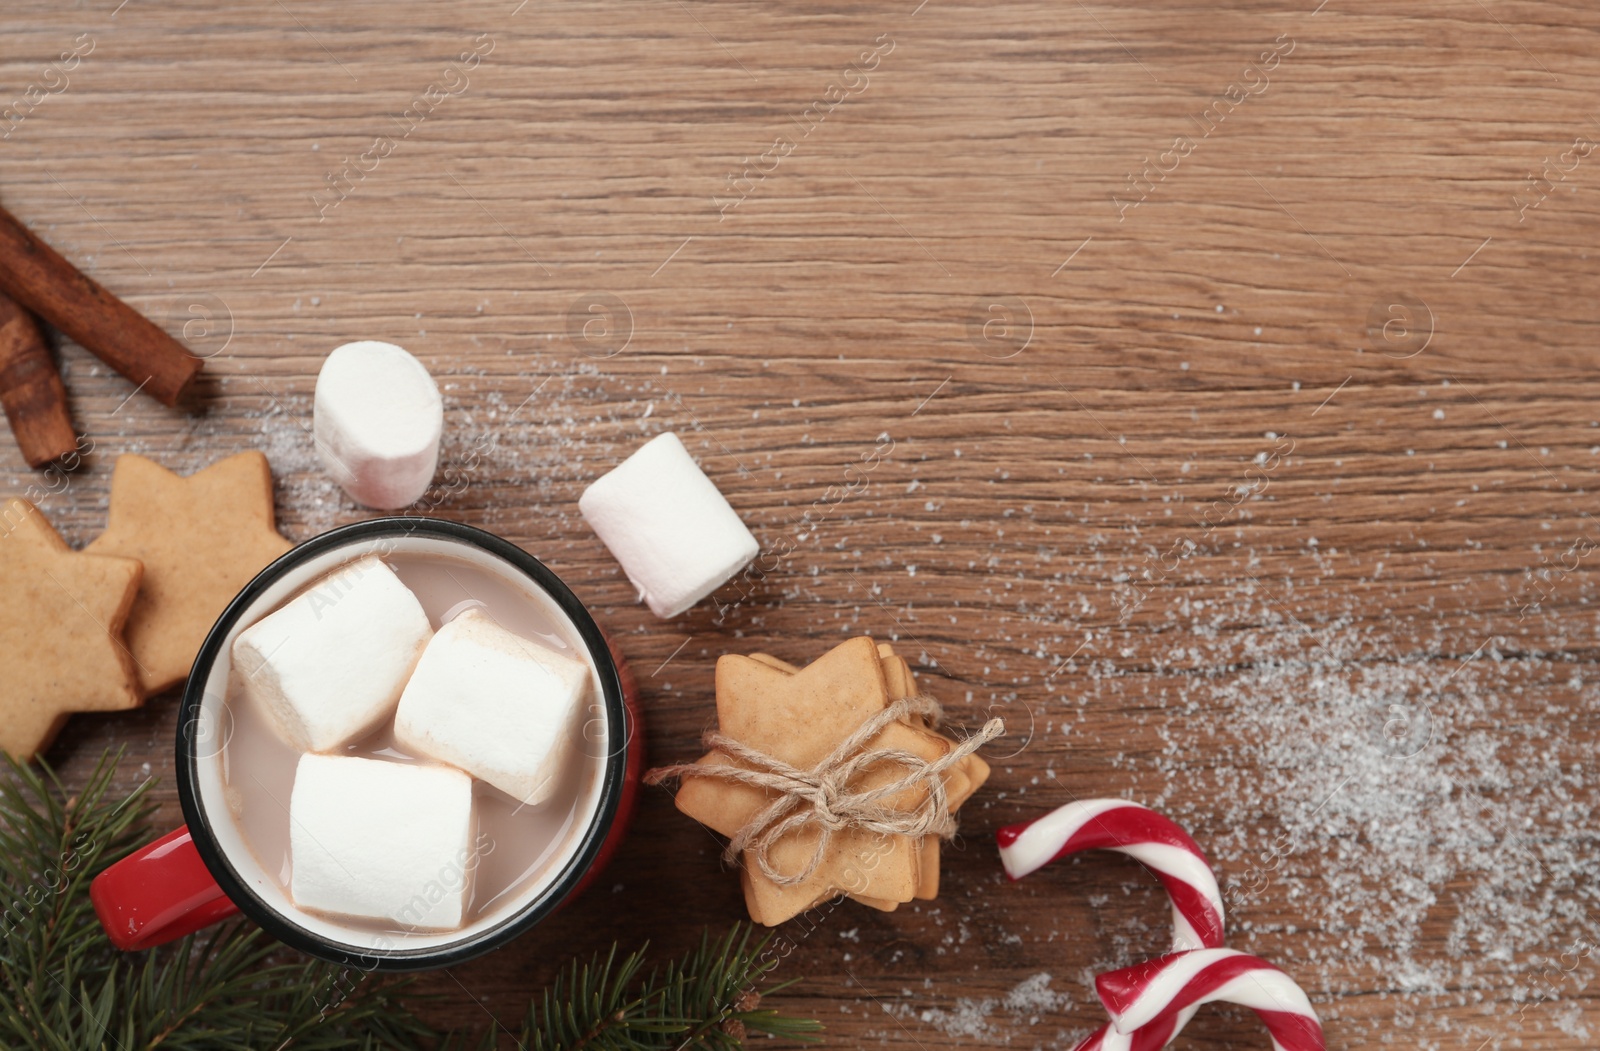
822	796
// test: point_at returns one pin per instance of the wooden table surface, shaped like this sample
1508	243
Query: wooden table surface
1230	370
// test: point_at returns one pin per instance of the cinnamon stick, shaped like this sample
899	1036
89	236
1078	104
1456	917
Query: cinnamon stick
30	389
35	275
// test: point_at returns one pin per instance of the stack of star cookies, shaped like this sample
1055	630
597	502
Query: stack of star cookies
104	628
799	716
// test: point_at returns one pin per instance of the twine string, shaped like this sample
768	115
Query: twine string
822	797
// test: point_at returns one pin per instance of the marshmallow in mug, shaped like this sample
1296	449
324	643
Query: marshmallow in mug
666	522
329	666
499	706
378	416
381	841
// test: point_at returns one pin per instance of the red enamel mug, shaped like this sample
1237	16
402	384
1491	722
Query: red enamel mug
205	872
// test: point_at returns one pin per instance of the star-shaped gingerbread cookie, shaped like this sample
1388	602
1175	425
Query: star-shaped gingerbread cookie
61	619
201	539
961	781
799	718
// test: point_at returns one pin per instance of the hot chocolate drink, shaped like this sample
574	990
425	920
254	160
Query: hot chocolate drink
495	689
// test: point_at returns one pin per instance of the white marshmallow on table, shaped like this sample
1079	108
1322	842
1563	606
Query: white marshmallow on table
665	521
377	416
501	707
380	841
329	665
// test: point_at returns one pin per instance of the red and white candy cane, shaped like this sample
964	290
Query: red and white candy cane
1161	846
1139	832
1153	1037
1141	997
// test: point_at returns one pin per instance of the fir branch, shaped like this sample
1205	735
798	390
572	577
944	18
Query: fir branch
705	1000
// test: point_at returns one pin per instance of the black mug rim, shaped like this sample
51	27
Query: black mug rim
554	894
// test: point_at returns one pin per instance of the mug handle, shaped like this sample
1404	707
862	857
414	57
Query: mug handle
158	894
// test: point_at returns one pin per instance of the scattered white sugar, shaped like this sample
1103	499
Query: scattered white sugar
1569	1019
1033	997
1357	792
1031	1002
1374	783
1392	802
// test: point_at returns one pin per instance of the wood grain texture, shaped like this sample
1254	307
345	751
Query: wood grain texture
1380	250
